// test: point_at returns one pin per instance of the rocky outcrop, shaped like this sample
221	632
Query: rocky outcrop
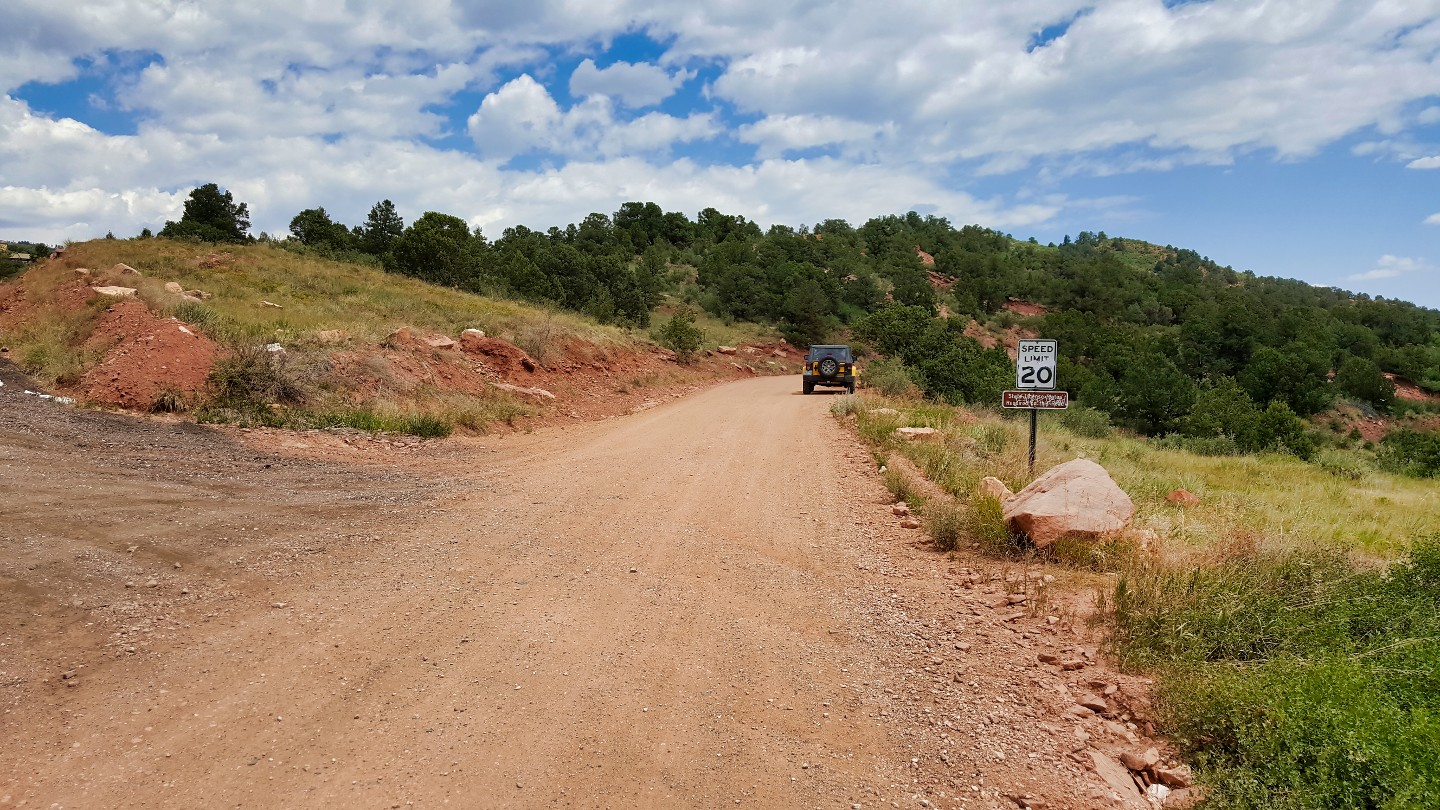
115	292
499	355
1077	498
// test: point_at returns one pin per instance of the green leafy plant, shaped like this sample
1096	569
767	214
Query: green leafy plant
681	335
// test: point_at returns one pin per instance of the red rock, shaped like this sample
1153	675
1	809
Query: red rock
1077	498
1177	777
1182	497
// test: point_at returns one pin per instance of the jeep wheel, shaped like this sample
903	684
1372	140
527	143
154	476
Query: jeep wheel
828	367
850	389
808	387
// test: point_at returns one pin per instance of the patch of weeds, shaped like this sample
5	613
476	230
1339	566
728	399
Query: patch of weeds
846	405
900	486
946	524
252	378
169	401
1295	679
196	314
1222	445
1342	464
985	524
991	438
1102	555
878	429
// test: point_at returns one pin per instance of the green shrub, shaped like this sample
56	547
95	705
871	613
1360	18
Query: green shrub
252	378
1410	452
889	377
681	335
1086	422
846	405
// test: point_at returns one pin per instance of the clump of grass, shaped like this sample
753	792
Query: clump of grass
1295	679
1345	464
1222	445
170	401
846	405
1104	554
901	487
252	378
985	524
946	523
991	438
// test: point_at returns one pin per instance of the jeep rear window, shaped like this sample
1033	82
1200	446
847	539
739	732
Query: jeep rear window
841	353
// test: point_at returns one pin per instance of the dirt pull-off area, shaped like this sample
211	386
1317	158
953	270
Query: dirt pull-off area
705	604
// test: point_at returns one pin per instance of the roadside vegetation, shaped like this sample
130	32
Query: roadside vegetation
1291	616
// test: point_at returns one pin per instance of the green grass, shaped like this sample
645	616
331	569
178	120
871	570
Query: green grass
1295	679
318	294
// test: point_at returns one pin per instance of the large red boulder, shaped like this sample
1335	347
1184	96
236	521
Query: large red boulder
1076	498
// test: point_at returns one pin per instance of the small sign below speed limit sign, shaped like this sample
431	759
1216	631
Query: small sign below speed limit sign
1035	364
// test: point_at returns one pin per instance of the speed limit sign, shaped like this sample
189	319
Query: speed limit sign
1035	364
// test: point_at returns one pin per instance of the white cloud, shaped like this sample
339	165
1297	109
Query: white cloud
1432	162
523	117
1388	267
778	134
1433	219
635	85
517	118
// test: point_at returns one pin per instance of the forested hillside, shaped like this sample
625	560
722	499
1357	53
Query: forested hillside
1160	339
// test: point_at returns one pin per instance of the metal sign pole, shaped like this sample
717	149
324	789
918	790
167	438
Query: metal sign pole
1034	421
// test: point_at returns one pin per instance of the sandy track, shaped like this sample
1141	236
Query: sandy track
701	605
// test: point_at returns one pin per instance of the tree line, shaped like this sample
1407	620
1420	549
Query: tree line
1161	339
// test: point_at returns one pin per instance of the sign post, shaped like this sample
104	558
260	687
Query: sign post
1035	377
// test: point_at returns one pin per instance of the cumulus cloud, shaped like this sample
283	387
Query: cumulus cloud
517	118
777	134
635	85
1432	162
1433	219
1388	267
523	117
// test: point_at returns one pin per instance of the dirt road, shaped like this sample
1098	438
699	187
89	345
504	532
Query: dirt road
705	604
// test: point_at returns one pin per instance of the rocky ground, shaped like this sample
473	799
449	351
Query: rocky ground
708	602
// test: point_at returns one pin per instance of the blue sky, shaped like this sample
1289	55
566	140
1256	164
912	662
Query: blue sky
1298	138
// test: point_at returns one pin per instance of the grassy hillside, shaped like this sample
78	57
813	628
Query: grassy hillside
332	319
318	294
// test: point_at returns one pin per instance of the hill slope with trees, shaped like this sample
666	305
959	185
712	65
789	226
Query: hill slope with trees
1160	339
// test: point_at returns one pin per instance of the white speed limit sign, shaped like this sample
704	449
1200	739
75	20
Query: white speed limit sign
1035	364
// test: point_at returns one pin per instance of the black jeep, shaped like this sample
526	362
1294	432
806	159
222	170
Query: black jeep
829	365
